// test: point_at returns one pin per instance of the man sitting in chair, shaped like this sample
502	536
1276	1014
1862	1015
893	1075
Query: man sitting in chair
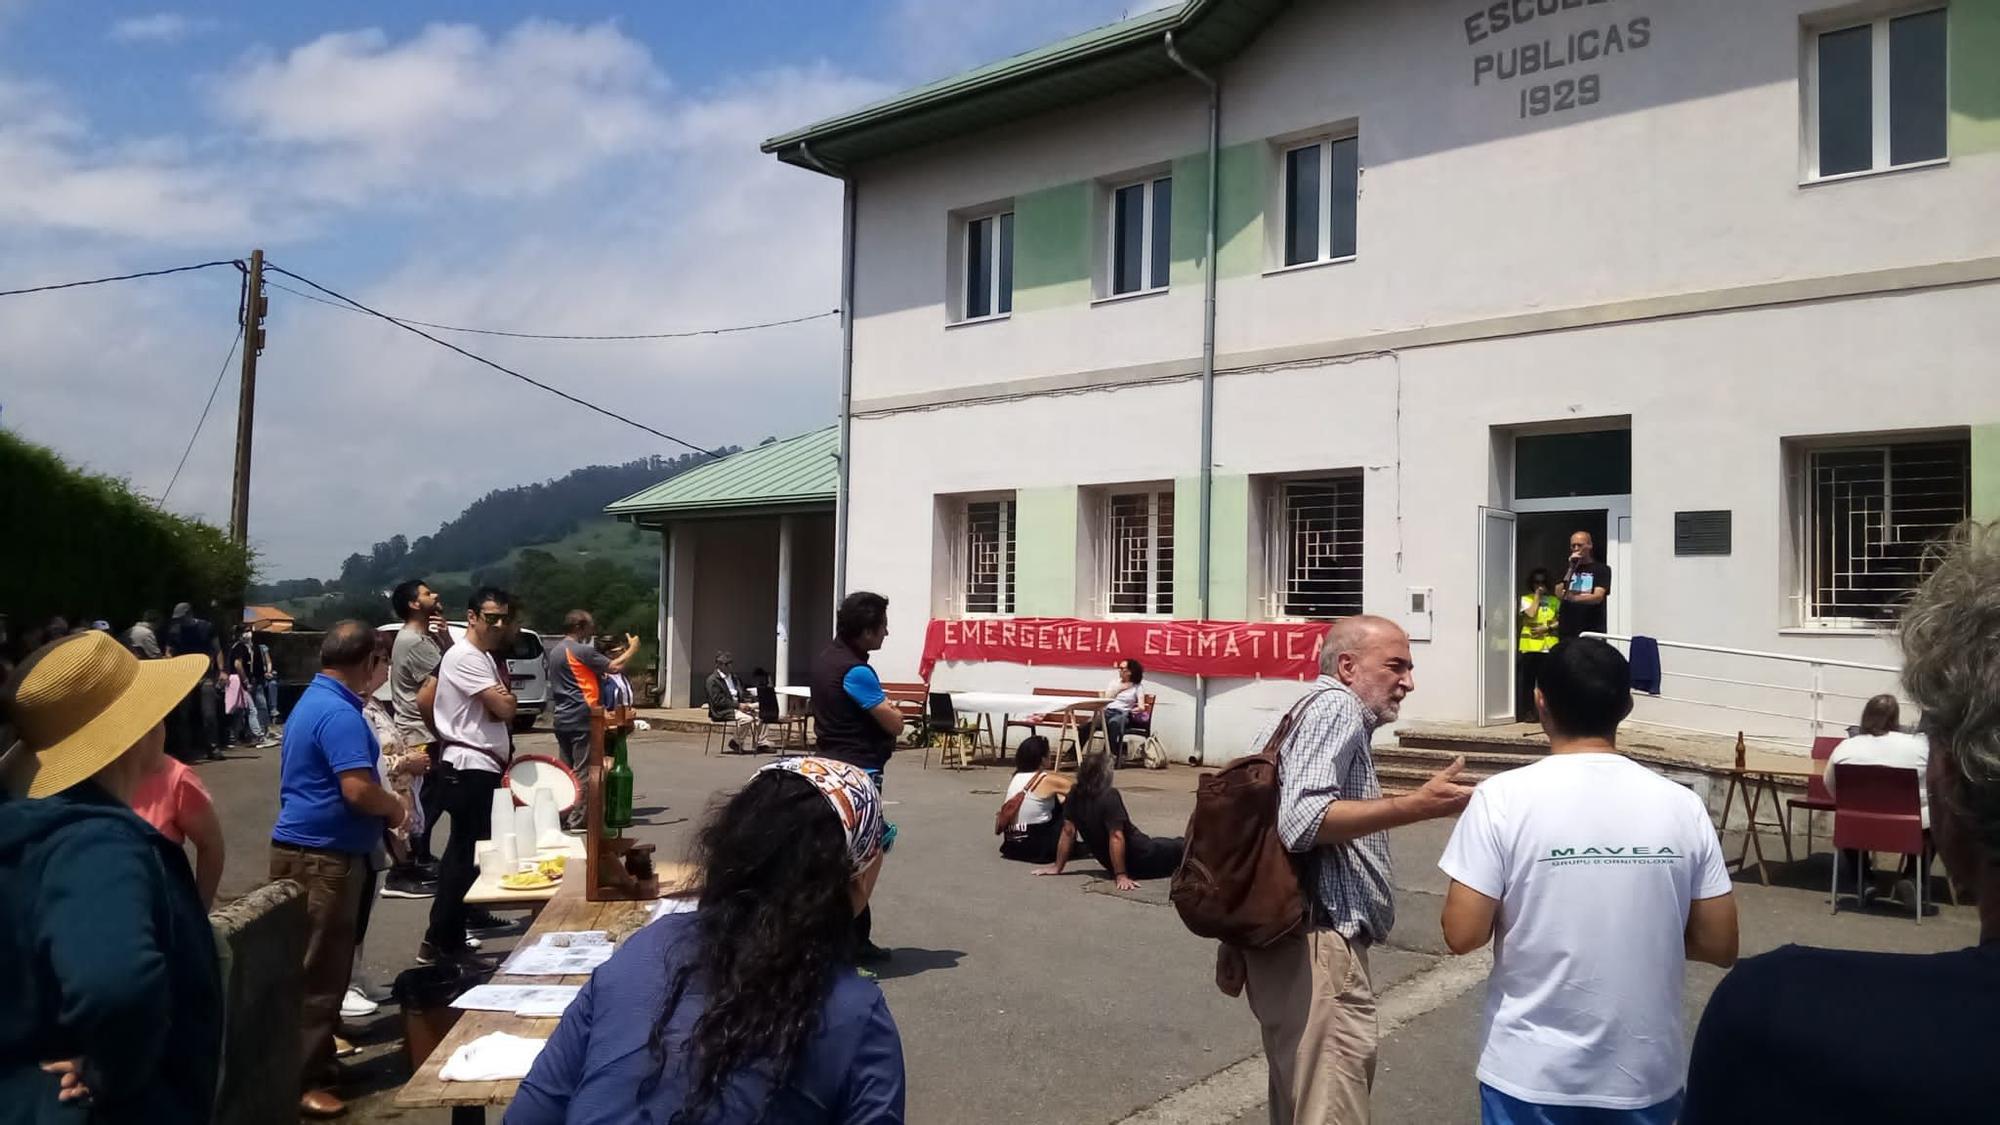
725	699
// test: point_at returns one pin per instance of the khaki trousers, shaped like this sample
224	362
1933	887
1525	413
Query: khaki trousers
334	883
1313	999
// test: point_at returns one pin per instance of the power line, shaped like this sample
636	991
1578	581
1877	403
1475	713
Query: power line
408	327
123	277
572	336
233	342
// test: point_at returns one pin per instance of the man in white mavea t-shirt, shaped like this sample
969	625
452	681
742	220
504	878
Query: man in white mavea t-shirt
1596	879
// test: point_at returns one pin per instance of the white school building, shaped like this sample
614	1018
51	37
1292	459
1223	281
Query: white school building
1715	280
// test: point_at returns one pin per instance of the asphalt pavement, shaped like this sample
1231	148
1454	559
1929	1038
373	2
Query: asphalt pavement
1061	999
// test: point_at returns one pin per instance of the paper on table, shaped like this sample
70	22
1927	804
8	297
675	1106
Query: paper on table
491	1058
562	953
520	999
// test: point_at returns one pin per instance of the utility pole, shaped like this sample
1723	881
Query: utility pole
254	308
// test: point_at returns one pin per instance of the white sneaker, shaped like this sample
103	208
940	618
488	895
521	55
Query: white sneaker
471	942
354	1006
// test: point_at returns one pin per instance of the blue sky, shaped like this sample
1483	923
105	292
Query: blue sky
563	168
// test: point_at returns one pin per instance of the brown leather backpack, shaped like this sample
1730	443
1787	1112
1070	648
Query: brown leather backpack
1011	807
1237	881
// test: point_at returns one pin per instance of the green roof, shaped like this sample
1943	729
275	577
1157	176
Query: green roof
803	470
1097	62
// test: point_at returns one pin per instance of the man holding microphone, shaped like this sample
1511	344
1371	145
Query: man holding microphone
1583	590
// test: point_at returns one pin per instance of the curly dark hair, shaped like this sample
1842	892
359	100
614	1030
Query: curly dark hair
776	922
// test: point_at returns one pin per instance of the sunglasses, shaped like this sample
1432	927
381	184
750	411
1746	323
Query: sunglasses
496	618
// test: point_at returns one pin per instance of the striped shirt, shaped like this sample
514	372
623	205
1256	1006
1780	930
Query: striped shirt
1326	758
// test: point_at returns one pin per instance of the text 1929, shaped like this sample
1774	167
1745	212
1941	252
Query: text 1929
1554	97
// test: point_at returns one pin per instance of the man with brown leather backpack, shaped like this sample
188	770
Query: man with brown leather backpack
1310	988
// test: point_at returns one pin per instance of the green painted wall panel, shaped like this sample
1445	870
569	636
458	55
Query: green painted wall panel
1229	558
1974	69
1045	551
1052	247
1239	231
1986	472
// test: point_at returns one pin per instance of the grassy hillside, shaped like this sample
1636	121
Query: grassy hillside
601	538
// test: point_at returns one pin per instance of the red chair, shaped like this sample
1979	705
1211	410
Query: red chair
1817	799
1878	809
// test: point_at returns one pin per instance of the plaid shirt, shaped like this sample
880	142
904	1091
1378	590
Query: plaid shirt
1326	758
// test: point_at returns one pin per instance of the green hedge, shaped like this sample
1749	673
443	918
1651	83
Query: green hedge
83	546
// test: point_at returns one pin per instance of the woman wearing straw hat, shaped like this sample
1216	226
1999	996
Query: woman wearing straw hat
106	958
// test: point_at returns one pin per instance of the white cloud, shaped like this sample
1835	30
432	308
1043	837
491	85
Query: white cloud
660	216
160	27
939	37
451	110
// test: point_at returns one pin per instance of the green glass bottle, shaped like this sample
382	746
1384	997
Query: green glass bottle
617	788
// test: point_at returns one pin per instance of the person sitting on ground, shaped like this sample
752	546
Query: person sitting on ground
1833	1036
107	961
748	1009
172	799
1096	811
725	702
1596	880
1117	714
1036	796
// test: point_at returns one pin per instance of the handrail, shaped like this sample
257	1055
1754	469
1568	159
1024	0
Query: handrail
1787	656
1816	691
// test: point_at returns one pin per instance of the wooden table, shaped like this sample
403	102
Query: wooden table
1755	785
566	910
487	891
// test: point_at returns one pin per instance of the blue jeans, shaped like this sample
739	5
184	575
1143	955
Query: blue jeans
1496	1108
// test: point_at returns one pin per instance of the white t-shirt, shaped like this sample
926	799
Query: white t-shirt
1034	810
461	716
1594	859
1892	749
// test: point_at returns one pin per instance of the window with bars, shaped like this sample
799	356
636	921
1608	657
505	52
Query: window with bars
1872	516
988	581
1315	548
1139	552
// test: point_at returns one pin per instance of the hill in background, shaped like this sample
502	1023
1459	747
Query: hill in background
550	543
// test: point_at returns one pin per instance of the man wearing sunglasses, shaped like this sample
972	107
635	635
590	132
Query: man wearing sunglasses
474	706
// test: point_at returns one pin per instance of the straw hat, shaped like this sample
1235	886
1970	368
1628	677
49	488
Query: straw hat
79	703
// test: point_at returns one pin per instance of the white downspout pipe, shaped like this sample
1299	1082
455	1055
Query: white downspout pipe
1207	372
845	455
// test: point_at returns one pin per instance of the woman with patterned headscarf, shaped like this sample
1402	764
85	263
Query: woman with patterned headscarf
748	1009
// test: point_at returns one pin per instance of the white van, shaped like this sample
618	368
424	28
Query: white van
527	668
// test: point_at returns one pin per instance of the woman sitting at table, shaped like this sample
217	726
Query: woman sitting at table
748	1009
1096	811
1117	714
1030	835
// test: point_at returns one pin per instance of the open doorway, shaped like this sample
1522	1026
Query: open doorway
1542	540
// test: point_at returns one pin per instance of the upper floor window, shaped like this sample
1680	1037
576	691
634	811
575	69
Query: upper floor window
986	282
1139	552
1875	94
1873	515
1141	231
1313	547
1321	182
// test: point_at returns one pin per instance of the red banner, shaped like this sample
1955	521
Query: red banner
1241	649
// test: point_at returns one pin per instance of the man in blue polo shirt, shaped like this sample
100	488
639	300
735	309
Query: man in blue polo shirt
332	809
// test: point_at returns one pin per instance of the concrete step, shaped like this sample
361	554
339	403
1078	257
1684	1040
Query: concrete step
1476	761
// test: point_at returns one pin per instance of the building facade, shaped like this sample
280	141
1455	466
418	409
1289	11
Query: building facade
1715	280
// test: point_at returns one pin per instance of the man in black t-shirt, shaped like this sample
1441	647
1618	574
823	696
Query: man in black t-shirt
1585	586
1096	811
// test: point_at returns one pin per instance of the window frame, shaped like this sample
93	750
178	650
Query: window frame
1279	540
1159	496
1880	108
1806	517
1007	596
1149	183
1280	240
962	259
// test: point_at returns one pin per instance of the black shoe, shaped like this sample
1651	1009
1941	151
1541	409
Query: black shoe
217	756
483	921
870	954
464	959
735	747
408	884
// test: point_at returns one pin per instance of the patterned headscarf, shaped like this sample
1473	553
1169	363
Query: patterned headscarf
853	797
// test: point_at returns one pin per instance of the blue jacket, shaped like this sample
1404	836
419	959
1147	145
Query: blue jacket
105	953
590	1072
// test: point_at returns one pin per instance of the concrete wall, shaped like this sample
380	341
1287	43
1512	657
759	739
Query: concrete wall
261	939
1728	308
